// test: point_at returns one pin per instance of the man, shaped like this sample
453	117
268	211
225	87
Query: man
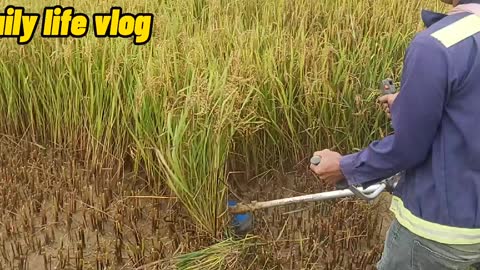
436	119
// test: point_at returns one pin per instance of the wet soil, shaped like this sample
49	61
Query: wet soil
58	212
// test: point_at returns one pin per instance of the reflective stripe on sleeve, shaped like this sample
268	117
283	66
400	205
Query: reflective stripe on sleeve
458	31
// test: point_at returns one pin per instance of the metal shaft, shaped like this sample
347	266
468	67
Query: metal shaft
243	208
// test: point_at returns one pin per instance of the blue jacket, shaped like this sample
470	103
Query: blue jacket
436	119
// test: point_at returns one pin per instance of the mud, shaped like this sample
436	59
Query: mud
58	212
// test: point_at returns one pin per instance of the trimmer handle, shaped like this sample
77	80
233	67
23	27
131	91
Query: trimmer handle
387	87
343	184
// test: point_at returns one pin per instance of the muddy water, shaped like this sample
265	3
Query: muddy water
59	213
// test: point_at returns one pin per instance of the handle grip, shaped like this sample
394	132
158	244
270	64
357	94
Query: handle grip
387	87
315	160
343	184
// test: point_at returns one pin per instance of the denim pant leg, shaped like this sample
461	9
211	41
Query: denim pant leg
404	250
433	255
397	250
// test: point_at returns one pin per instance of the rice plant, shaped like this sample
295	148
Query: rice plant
222	255
223	86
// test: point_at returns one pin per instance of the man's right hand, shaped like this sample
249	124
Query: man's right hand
386	101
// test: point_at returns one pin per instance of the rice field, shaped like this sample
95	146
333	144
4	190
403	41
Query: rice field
117	156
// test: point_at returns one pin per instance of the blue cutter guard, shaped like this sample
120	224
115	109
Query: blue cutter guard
241	223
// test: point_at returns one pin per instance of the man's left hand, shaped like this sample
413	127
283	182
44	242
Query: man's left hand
329	168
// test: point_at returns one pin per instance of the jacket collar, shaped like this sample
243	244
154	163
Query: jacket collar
430	17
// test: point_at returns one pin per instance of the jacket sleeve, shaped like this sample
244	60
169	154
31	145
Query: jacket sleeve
416	116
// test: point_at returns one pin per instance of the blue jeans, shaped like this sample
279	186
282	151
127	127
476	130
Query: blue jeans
404	250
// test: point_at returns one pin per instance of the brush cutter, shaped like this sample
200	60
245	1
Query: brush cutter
242	212
242	221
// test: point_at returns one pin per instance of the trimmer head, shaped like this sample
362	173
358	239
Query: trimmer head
241	223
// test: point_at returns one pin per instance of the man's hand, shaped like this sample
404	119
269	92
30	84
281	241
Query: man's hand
329	168
386	101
